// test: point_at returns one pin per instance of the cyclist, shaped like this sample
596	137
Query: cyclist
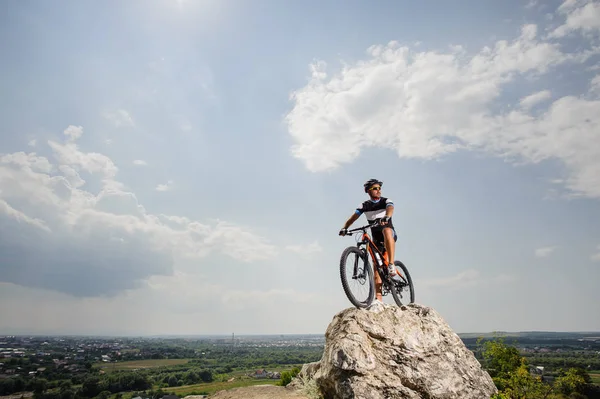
378	207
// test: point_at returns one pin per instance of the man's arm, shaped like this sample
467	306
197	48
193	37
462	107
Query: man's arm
389	211
351	220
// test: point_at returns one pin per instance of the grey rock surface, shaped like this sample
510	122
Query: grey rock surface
388	352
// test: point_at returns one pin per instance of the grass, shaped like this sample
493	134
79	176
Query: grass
138	364
237	378
209	388
595	376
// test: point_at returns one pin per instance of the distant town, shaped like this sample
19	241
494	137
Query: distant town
66	367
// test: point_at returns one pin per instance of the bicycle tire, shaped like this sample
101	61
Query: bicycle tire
369	276
408	283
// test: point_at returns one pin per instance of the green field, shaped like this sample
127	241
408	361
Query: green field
595	376
138	364
212	387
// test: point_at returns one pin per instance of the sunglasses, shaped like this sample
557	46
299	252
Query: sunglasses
375	188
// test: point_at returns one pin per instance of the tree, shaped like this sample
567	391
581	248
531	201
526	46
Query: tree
39	385
7	386
67	394
572	381
90	387
286	378
66	385
172	381
103	395
206	375
501	359
510	373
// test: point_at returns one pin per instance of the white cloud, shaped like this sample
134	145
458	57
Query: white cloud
583	15
86	235
535	98
120	118
21	217
32	142
428	104
73	132
165	187
91	162
531	4
544	252
239	243
140	162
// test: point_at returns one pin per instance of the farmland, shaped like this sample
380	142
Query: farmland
138	364
121	368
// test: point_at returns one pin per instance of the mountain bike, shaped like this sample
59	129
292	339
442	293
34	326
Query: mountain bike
361	273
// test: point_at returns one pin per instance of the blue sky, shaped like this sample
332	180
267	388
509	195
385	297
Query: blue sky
192	161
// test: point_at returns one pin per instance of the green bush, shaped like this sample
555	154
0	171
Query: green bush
510	373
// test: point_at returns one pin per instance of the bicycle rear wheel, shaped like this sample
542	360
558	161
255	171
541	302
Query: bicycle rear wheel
357	277
402	291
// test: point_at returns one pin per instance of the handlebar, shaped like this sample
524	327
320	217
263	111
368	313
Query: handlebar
363	228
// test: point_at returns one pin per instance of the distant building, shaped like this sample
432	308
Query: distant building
536	370
266	374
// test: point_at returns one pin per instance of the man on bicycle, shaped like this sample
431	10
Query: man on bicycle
378	207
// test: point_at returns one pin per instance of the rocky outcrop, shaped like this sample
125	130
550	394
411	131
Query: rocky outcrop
388	352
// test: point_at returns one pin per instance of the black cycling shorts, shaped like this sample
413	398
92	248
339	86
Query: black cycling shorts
377	233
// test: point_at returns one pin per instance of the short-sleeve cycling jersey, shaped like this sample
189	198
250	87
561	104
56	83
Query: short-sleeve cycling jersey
374	209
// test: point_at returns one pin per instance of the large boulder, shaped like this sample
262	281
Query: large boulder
389	352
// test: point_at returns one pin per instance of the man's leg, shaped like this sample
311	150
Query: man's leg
377	238
378	284
390	244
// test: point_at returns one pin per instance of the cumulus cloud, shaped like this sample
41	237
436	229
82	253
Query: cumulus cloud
426	104
544	252
531	4
581	15
165	187
535	98
73	132
70	226
120	118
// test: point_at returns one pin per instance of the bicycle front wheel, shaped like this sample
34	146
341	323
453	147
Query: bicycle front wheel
403	291
357	277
